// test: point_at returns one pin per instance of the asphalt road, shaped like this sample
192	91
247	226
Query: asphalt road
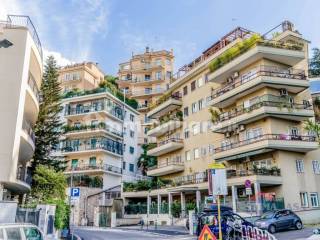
167	233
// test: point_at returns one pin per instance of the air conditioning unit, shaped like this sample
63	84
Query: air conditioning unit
235	74
227	134
241	127
283	92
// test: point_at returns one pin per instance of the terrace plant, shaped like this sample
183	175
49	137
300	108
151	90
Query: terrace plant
214	115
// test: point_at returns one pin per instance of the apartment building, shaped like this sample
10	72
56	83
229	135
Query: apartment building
242	102
21	76
145	77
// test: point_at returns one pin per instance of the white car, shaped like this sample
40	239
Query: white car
20	231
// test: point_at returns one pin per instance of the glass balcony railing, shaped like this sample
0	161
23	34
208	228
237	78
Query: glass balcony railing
170	140
33	85
105	167
267	71
78	145
274	171
282	137
168	162
264	101
92	127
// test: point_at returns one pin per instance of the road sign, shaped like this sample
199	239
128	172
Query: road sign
206	234
75	192
248	191
247	183
218	182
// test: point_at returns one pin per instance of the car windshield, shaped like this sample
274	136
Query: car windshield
267	215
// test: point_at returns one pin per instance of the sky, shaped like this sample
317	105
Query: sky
109	31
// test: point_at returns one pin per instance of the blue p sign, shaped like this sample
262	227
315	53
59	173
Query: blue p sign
75	192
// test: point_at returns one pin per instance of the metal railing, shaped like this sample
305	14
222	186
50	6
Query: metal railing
168	162
282	137
147	92
23	175
280	104
200	177
267	71
14	21
33	85
258	171
82	128
170	140
83	167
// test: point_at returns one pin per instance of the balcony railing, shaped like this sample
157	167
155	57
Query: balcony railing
91	127
168	162
282	137
115	111
279	104
33	85
23	176
105	167
267	71
142	80
170	140
103	144
191	179
28	129
258	171
148	92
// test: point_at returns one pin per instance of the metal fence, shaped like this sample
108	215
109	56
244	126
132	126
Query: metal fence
27	215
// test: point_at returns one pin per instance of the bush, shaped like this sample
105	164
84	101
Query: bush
176	209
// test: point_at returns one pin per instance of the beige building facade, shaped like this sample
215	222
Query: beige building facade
145	77
241	103
21	76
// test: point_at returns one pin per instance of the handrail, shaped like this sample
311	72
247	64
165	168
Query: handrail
260	72
242	110
170	162
282	137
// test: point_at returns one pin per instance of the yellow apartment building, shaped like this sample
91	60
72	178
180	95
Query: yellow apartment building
145	77
21	76
242	102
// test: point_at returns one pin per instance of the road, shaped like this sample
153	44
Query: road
166	233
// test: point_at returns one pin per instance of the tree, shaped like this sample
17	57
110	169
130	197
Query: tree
314	65
48	125
145	161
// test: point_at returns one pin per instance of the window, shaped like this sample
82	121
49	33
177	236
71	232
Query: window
294	131
195	129
188	156
200	104
94	123
304	199
314	199
168	75
211	149
200	82
131	133
185	90
74	163
77	124
131	117
193	86
158	75
13	234
131	150
92	161
186	133
300	166
196	153
147	77
168	61
316	166
186	112
194	107
124	165
131	167
32	233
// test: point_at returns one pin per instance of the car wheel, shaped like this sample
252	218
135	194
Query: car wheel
298	225
272	229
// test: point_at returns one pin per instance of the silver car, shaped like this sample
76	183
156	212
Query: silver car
20	231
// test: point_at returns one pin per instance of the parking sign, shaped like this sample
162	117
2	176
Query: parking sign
75	192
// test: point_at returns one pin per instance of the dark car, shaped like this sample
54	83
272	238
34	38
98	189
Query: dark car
279	220
231	224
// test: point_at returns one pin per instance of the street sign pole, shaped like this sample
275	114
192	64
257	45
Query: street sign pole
71	186
219	218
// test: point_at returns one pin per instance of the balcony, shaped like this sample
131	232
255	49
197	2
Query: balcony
93	169
163	128
32	100
73	112
281	52
140	81
27	142
164	105
291	79
230	121
265	143
264	176
83	130
92	145
146	92
166	146
166	167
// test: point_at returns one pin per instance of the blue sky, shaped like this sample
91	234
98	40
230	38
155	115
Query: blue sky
108	31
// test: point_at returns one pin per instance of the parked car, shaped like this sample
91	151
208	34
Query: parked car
231	223
20	231
279	220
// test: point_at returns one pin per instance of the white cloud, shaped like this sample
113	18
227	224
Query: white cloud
61	61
